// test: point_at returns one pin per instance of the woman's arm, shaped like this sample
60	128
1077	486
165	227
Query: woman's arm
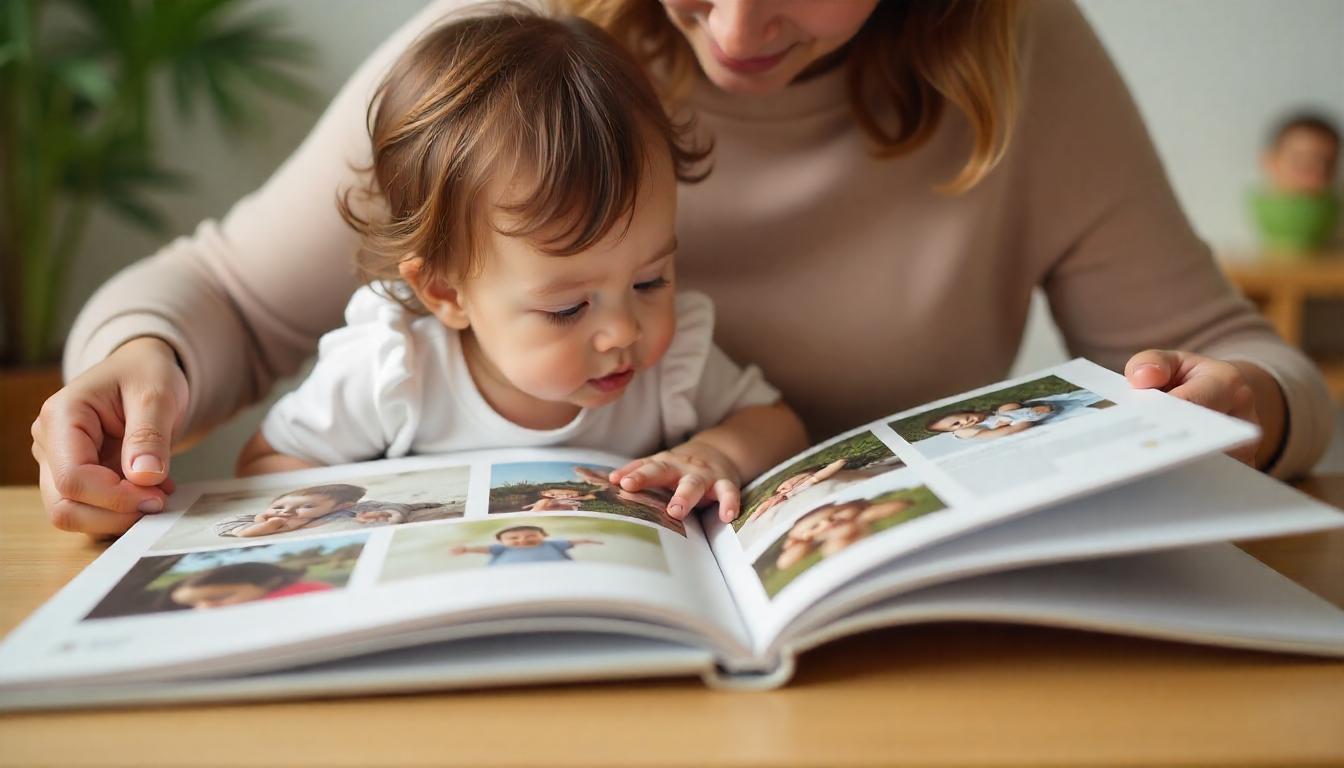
178	342
1122	268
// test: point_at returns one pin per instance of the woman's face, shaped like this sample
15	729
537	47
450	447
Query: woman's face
760	46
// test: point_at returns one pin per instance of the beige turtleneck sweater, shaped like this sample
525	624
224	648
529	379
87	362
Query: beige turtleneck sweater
856	287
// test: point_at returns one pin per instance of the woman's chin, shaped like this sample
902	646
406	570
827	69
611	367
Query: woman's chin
746	85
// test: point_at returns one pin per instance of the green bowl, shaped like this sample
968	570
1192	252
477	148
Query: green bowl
1295	222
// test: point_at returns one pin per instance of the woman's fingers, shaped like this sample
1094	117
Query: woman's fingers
69	515
145	449
1152	369
66	444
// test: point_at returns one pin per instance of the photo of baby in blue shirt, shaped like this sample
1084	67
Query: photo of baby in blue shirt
525	544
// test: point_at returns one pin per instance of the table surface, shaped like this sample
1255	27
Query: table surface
948	694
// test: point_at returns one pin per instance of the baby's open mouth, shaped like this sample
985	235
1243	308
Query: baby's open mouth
614	381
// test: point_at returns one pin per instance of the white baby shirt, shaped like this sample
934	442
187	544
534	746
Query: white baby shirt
392	383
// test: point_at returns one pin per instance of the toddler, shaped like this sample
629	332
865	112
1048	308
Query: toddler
525	544
520	243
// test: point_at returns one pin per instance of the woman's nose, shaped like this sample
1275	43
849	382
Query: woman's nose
743	28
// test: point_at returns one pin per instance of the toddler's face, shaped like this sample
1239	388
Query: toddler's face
1303	162
301	506
217	595
552	334
954	421
522	538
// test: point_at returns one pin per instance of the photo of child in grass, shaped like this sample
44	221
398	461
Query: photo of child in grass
833	527
1031	405
352	505
563	486
227	577
811	478
509	542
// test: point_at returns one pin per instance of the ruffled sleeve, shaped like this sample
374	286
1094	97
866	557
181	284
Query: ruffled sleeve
699	385
362	400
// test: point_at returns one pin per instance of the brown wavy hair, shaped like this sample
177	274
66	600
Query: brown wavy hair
909	61
554	105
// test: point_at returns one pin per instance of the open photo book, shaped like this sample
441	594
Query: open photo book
1062	498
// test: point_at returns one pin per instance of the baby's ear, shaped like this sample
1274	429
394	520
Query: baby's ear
442	298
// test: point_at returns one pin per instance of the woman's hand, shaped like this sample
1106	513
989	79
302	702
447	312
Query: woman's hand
1239	389
696	470
102	443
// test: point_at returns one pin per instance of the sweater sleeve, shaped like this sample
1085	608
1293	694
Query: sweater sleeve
243	301
1119	262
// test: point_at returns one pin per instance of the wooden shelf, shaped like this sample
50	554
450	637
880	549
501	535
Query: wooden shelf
1281	284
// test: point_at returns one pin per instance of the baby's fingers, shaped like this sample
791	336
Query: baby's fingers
689	492
648	473
730	499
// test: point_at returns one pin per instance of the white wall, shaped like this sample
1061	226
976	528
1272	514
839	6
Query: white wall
1208	75
1211	76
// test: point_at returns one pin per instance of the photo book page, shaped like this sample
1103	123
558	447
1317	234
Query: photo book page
245	576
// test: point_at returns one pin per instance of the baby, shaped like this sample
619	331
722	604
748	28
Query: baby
833	527
525	544
1011	418
521	234
314	506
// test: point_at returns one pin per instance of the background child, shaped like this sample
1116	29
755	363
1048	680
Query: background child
525	544
1302	156
242	583
521	226
317	505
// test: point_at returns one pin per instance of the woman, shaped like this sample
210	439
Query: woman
891	181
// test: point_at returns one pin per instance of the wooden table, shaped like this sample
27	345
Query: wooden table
936	695
1281	285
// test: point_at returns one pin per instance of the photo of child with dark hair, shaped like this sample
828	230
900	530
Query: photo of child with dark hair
999	414
229	577
472	545
242	583
288	513
563	486
811	479
831	528
524	544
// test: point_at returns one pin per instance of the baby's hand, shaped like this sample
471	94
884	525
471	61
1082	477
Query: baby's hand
390	516
695	470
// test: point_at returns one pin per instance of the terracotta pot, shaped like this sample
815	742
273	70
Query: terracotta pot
22	392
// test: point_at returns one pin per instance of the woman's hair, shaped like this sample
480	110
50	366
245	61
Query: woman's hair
553	105
341	493
267	575
909	61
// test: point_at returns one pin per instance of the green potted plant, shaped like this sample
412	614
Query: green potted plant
78	86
